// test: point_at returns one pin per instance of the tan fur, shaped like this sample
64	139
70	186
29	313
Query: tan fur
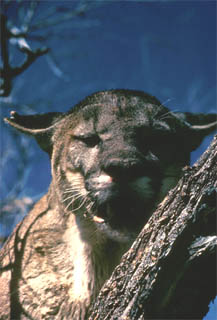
57	266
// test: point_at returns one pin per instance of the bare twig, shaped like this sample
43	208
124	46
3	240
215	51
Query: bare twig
7	71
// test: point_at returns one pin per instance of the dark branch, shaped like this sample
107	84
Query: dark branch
7	71
5	88
31	56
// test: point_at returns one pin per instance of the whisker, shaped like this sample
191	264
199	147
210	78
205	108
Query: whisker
78	196
83	202
73	196
90	206
76	185
166	115
166	101
71	190
64	200
68	205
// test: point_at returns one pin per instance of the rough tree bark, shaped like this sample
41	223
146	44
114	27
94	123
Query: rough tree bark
170	270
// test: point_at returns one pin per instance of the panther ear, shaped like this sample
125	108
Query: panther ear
200	126
40	126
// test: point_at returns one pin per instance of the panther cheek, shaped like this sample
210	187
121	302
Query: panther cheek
73	176
142	188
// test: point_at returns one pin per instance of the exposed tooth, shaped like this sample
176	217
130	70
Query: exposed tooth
98	219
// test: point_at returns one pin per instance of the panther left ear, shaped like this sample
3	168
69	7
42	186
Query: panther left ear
40	126
200	125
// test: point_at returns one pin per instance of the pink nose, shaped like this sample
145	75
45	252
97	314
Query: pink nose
104	178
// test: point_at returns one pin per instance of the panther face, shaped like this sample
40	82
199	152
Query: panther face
114	157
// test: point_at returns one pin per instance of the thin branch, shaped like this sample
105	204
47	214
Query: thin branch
6	85
31	56
7	71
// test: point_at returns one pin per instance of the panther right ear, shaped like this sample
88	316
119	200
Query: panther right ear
40	126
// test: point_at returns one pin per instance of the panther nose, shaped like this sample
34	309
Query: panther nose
120	169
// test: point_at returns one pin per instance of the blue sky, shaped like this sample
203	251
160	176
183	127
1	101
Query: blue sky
166	48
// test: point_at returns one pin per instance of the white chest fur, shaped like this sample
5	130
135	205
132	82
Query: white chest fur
82	277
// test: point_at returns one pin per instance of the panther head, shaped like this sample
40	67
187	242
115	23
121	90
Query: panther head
115	155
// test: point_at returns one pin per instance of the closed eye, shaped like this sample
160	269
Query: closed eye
90	141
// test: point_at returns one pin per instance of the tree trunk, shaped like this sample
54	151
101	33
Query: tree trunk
170	270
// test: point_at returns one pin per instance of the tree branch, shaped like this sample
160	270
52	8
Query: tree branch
8	72
6	81
170	270
31	56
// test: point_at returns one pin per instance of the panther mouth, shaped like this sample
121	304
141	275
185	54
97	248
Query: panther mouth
116	215
103	214
104	222
119	205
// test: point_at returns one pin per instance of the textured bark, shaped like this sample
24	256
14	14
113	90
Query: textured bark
170	270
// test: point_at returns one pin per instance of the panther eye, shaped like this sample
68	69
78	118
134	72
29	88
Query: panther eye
90	141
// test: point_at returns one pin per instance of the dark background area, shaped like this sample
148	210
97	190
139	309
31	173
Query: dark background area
165	48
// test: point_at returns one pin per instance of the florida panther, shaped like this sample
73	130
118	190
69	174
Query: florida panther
113	156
